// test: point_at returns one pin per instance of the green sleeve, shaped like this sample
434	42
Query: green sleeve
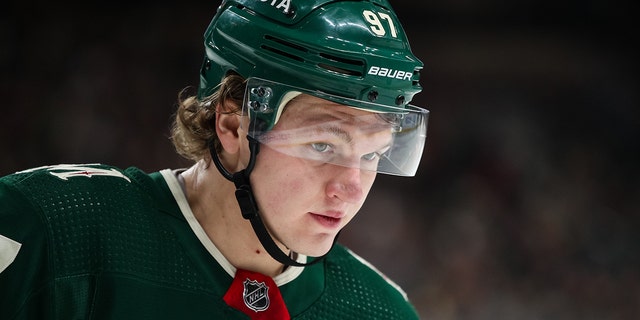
23	284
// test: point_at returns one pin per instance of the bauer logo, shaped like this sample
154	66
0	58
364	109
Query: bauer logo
390	73
255	295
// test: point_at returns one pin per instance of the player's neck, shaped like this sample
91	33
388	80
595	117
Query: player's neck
212	200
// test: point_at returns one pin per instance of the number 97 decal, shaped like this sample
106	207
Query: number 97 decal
375	19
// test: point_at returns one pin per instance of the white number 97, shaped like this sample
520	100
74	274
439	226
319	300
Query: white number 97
376	25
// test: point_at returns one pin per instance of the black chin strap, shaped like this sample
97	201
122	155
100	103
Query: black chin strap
249	208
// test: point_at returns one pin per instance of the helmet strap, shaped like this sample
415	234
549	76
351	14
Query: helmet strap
249	208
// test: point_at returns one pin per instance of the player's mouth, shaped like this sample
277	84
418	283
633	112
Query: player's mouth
329	219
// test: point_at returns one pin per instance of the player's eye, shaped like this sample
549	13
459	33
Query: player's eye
321	147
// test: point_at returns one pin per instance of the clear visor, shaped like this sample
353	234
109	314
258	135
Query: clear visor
325	129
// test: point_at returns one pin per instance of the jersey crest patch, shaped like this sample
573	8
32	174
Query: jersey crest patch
260	298
255	295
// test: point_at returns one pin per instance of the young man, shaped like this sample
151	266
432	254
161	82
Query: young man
300	105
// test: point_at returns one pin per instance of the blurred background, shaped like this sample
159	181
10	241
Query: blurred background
527	203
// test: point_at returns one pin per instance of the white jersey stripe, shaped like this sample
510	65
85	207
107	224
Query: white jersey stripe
8	251
287	276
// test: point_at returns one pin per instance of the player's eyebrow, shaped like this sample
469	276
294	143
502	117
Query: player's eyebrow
316	130
336	131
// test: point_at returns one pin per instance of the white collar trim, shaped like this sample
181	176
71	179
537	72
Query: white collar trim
287	276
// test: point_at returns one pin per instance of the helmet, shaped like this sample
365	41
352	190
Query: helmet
353	53
350	52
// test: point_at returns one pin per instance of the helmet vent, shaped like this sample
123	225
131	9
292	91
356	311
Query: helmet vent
282	53
286	43
283	48
342	65
340	70
323	60
358	63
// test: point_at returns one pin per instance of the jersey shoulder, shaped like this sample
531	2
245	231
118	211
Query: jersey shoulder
92	235
59	190
64	178
91	218
357	290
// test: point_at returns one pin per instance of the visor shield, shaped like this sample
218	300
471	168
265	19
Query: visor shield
335	130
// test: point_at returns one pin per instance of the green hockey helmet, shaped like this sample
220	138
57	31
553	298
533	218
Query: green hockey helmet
354	53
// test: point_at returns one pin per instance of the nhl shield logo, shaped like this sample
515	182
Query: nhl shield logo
255	295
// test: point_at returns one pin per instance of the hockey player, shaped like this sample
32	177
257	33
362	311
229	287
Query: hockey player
300	105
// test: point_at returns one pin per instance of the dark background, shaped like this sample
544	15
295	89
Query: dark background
526	205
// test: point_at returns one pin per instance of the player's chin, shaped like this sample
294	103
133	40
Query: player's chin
318	246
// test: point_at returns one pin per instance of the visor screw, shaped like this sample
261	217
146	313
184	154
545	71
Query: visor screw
207	65
261	92
399	100
372	96
264	108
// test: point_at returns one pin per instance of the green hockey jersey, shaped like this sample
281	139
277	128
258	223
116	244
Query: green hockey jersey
97	242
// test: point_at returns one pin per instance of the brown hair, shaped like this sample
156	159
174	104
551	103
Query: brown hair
194	125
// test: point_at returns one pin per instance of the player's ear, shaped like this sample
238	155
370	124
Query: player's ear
228	126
